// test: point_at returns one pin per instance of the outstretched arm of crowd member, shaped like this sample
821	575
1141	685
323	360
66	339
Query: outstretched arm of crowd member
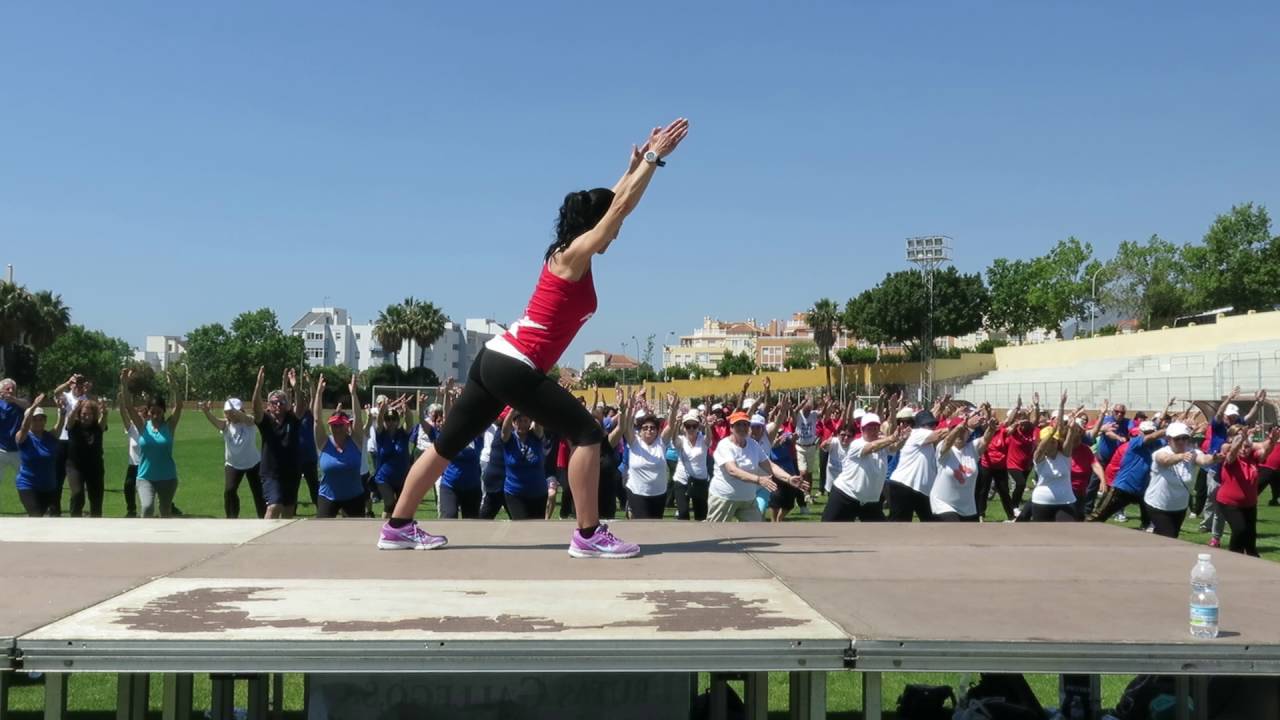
953	437
27	415
1231	452
795	481
1012	416
508	424
1259	400
990	430
1075	431
56	392
127	410
1221	415
673	416
218	424
175	392
319	436
1165	416
103	412
742	397
359	426
577	257
1035	409
1263	449
767	384
64	412
258	410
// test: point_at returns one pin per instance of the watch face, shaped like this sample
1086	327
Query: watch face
650	156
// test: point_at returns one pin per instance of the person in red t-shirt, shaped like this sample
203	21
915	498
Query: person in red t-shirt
1020	445
828	427
992	471
1084	467
1238	488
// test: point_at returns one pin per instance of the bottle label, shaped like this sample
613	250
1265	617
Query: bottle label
1204	616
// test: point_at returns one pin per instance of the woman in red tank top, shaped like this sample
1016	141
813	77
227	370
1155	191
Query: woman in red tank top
512	368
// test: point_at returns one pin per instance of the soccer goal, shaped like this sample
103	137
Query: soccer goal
432	393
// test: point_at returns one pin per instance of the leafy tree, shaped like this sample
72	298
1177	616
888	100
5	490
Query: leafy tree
800	356
857	356
1011	283
989	346
28	320
1145	280
824	318
145	380
224	362
600	376
89	352
897	310
1237	265
740	364
1042	292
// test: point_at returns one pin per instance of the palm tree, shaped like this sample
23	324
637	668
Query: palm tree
15	308
391	329
425	325
824	318
48	318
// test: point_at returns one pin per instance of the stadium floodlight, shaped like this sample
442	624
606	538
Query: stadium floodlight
929	252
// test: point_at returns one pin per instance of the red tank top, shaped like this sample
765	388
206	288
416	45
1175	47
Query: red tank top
556	312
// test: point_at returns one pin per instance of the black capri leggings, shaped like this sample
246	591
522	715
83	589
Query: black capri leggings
1019	478
531	507
351	507
692	497
231	478
1244	528
496	380
86	481
1167	523
646	507
459	503
1055	513
39	503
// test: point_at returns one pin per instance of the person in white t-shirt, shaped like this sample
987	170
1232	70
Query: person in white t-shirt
807	452
1053	499
741	467
135	457
912	480
952	497
647	443
241	456
858	486
69	393
691	479
1173	472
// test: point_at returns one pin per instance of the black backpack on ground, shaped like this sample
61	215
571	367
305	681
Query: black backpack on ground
1004	696
926	702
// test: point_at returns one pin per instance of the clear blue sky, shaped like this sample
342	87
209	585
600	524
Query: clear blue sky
164	165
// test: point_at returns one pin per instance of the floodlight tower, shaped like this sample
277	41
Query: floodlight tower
929	252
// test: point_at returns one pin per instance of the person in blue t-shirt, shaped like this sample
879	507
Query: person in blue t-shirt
392	456
340	488
525	486
37	452
11	412
1131	480
493	470
1115	434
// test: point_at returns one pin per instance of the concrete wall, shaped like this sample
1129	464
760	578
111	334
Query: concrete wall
1062	353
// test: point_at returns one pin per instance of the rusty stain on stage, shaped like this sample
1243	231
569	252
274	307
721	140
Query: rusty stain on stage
219	609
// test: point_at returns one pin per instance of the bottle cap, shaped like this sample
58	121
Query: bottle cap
1205	556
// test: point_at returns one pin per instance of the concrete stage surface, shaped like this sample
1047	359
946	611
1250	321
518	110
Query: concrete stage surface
136	596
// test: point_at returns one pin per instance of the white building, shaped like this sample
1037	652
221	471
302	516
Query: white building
328	337
161	351
709	343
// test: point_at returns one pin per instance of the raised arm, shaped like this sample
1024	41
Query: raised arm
627	193
257	396
508	423
673	416
620	399
218	424
319	436
1259	400
357	422
175	394
103	412
25	429
1221	415
63	414
128	412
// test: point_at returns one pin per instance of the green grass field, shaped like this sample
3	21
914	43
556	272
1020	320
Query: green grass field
199	455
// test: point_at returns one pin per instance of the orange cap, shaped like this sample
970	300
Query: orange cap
738	417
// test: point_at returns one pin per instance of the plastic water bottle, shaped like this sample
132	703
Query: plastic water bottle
1204	599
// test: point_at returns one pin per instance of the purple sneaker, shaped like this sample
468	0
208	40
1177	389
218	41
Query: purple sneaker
602	544
409	537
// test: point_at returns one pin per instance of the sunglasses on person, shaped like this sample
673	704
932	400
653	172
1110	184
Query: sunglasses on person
649	426
691	426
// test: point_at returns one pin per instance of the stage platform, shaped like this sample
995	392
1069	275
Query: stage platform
187	596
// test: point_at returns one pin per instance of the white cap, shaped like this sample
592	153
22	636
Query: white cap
380	399
434	408
691	416
38	412
1178	430
759	420
641	414
233	404
858	412
1204	556
1147	426
1232	410
702	407
870	419
748	403
717	406
906	413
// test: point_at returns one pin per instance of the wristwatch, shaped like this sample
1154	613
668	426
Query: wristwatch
652	157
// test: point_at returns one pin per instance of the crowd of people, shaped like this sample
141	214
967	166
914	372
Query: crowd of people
736	458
